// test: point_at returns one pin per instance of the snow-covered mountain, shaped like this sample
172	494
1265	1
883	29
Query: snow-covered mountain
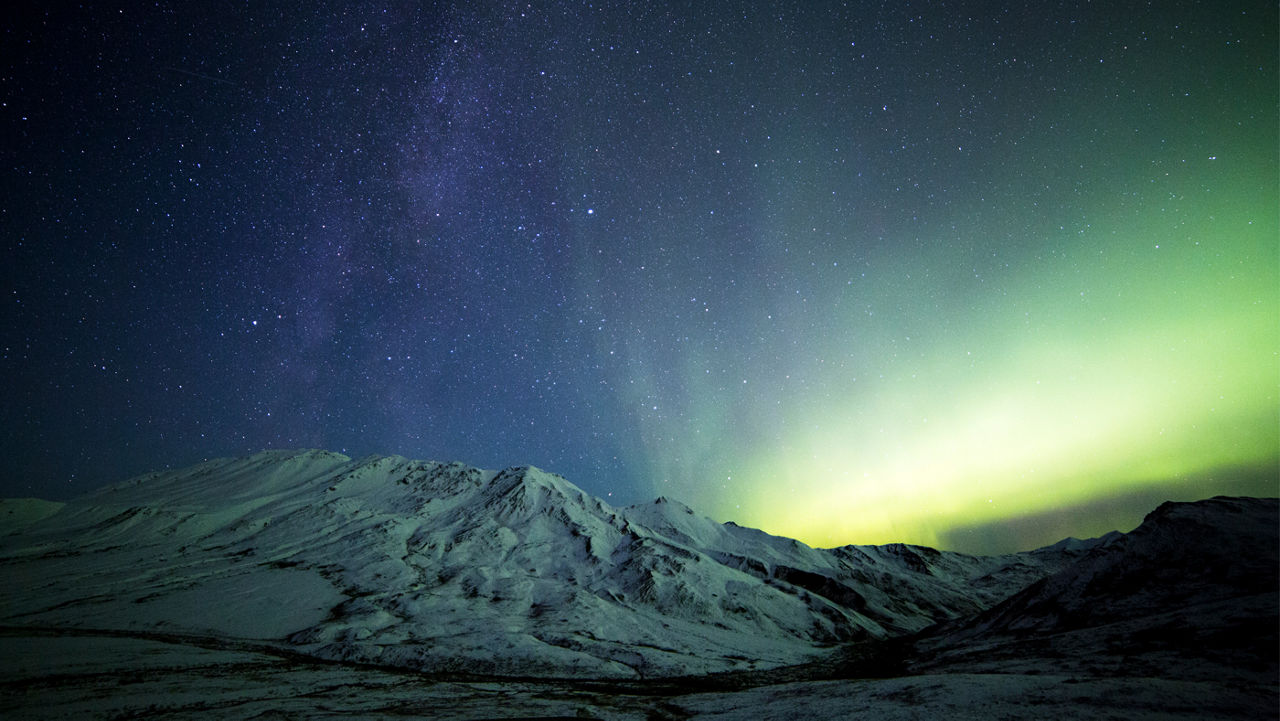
216	591
442	567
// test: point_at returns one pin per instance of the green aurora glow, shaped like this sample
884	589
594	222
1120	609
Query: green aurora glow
1123	341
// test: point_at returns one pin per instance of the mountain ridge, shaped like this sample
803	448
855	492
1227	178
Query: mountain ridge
531	571
444	567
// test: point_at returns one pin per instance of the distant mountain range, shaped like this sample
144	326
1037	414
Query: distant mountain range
445	568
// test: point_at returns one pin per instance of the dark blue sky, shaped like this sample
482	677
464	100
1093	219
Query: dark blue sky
739	254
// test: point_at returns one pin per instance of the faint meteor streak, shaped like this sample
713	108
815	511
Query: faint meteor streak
203	76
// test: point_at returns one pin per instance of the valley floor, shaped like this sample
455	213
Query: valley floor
48	675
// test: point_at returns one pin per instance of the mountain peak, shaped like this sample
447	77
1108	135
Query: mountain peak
440	566
532	477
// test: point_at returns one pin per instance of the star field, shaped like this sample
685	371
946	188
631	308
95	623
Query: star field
972	276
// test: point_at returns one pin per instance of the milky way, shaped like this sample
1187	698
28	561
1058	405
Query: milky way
954	274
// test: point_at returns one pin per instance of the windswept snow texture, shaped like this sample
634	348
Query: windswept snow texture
444	567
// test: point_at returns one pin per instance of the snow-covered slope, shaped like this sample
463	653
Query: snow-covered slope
447	567
18	513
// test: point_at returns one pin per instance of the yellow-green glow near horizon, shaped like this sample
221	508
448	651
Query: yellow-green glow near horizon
1139	353
1161	367
974	300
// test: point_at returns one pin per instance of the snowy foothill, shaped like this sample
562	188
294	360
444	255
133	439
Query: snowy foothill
418	579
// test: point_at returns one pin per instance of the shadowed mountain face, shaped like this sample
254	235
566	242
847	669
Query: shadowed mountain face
1182	556
446	567
1192	593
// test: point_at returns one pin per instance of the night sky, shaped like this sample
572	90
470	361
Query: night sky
972	276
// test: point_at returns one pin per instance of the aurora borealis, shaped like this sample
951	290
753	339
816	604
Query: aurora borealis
958	274
1128	359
